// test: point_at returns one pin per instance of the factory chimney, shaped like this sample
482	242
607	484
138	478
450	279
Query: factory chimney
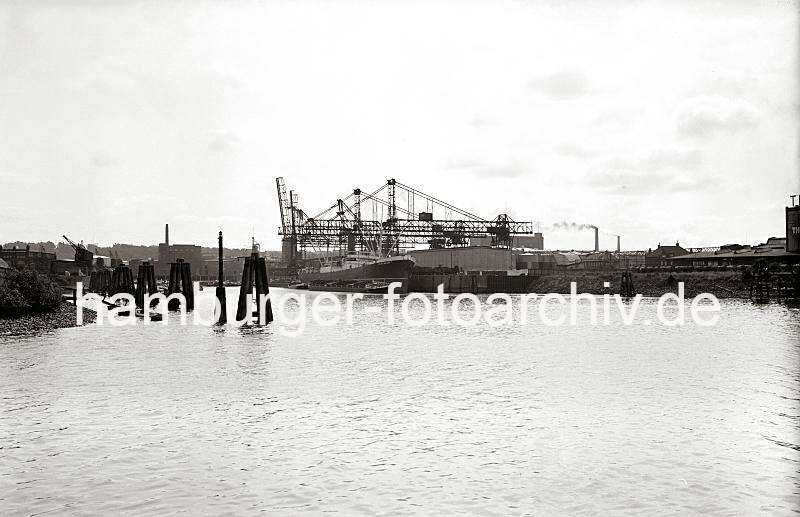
618	249
596	239
166	234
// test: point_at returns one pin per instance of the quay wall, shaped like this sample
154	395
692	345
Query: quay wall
722	284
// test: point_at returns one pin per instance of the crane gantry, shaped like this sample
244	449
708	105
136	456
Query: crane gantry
385	221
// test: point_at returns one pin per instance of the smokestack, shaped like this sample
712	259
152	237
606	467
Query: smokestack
618	250
596	238
166	234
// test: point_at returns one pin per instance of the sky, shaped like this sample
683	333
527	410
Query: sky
659	121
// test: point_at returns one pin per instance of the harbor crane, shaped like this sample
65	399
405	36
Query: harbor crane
81	253
385	221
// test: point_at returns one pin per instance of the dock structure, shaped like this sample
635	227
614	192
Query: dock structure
254	275
220	291
145	282
180	282
779	286
122	281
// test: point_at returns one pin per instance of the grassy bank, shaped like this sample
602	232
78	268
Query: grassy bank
722	284
63	316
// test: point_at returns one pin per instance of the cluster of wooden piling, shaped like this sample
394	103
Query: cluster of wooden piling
145	282
100	281
180	281
254	274
120	280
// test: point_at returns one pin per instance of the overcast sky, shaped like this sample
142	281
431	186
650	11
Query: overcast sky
661	121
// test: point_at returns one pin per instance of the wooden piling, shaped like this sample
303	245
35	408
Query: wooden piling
223	316
626	287
121	281
145	282
180	281
254	275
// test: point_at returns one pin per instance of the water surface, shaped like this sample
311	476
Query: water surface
389	419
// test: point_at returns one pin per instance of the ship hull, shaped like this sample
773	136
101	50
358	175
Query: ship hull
390	271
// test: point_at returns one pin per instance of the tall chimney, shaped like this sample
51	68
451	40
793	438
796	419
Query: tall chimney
618	249
596	239
166	234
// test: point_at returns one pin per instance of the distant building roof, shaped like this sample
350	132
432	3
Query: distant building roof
667	250
759	252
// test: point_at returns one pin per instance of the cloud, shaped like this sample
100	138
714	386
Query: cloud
480	120
659	160
104	161
563	85
708	115
11	179
508	169
222	141
659	172
635	183
616	117
574	151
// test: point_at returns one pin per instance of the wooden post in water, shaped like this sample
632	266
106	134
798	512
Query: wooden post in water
145	282
626	287
180	281
223	316
121	280
254	274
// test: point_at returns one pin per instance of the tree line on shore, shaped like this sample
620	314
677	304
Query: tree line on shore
26	292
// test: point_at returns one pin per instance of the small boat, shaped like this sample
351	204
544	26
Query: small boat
299	285
154	316
376	288
122	308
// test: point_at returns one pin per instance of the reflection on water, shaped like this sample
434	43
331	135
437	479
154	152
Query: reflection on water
375	418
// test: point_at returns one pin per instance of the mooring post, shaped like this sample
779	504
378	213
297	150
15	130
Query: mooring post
145	282
121	281
245	288
254	274
223	316
180	281
626	285
188	288
262	287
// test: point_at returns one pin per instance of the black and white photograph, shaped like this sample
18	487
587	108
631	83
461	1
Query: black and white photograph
399	257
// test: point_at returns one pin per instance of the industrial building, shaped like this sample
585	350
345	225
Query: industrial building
793	227
534	242
605	260
43	262
543	261
774	250
662	255
779	250
169	253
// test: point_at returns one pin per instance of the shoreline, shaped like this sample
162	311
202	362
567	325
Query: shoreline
722	284
62	317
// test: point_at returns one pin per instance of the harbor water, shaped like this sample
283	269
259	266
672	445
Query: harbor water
380	418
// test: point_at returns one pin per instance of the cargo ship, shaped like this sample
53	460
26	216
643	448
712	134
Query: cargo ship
359	272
